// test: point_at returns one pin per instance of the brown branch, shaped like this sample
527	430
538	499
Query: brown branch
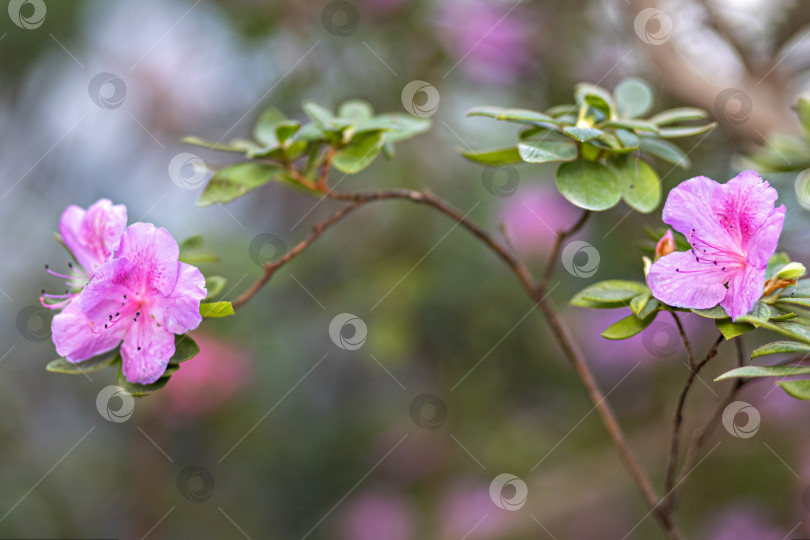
693	452
555	251
537	292
687	345
677	422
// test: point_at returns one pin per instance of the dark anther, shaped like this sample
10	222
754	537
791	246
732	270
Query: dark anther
43	291
105	325
715	263
116	314
139	348
125	297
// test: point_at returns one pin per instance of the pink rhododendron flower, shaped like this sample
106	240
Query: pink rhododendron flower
143	296
92	236
733	229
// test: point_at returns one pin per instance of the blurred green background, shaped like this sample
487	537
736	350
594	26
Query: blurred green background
293	437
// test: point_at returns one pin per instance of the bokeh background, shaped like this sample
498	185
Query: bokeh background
274	431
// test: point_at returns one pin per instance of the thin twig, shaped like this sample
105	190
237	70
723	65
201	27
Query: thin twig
677	422
693	453
537	292
688	346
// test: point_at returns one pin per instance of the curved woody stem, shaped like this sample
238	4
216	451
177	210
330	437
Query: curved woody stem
537	291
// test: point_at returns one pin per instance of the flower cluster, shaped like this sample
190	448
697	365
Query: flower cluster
131	288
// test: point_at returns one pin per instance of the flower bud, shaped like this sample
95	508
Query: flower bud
792	270
666	245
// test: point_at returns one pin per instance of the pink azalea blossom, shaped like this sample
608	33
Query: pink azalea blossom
733	229
92	236
142	297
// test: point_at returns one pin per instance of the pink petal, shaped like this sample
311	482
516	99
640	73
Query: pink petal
74	339
694	285
93	235
689	207
104	294
180	311
154	255
146	350
763	243
743	205
744	290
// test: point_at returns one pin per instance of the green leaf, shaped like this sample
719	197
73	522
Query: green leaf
639	302
140	390
105	360
192	252
359	153
633	98
285	130
265	129
546	151
214	285
651	307
562	110
234	181
664	150
588	184
798	389
582	134
237	145
184	349
640	125
641	187
595	96
617	293
627	327
520	116
674	116
322	116
355	110
687	131
397	127
628	139
216	309
499	156
797	328
731	330
782	347
717	312
748	372
777	261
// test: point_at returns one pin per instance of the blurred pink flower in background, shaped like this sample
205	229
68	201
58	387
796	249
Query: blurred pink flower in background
490	42
533	216
742	522
209	380
468	512
377	515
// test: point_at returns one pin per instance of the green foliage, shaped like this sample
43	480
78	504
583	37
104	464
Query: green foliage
609	294
627	327
592	140
214	285
293	152
764	371
193	252
780	152
216	309
184	349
